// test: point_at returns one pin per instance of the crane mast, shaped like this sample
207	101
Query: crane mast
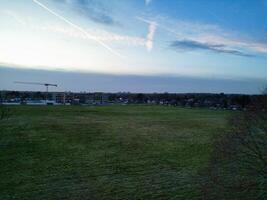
37	83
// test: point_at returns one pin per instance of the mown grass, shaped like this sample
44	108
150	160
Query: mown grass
106	152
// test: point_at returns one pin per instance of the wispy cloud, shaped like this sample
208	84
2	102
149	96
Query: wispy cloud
96	34
233	42
209	34
92	33
190	45
150	35
147	2
152	27
94	10
68	31
15	16
88	35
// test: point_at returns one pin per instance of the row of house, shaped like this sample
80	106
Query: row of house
214	101
51	98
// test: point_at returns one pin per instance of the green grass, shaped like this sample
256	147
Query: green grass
109	152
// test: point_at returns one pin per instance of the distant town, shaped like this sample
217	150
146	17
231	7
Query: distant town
212	101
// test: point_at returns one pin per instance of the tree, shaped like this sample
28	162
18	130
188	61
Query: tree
238	167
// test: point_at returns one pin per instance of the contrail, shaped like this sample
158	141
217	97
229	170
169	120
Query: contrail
150	35
89	36
158	25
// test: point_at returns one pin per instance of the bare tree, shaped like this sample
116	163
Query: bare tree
238	167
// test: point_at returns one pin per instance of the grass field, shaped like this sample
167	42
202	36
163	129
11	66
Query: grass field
106	152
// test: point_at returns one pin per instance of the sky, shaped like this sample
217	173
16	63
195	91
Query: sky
210	46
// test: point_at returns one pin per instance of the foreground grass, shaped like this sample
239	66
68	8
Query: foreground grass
111	152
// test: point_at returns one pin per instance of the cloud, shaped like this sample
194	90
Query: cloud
152	27
150	35
101	36
207	34
69	31
233	42
190	45
93	10
96	34
78	28
147	2
15	16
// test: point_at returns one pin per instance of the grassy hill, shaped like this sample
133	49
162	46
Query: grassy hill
109	152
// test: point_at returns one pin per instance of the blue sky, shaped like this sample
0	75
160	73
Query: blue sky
205	39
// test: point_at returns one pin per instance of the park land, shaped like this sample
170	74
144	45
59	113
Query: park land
106	152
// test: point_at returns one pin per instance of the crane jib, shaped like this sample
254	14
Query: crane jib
36	83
